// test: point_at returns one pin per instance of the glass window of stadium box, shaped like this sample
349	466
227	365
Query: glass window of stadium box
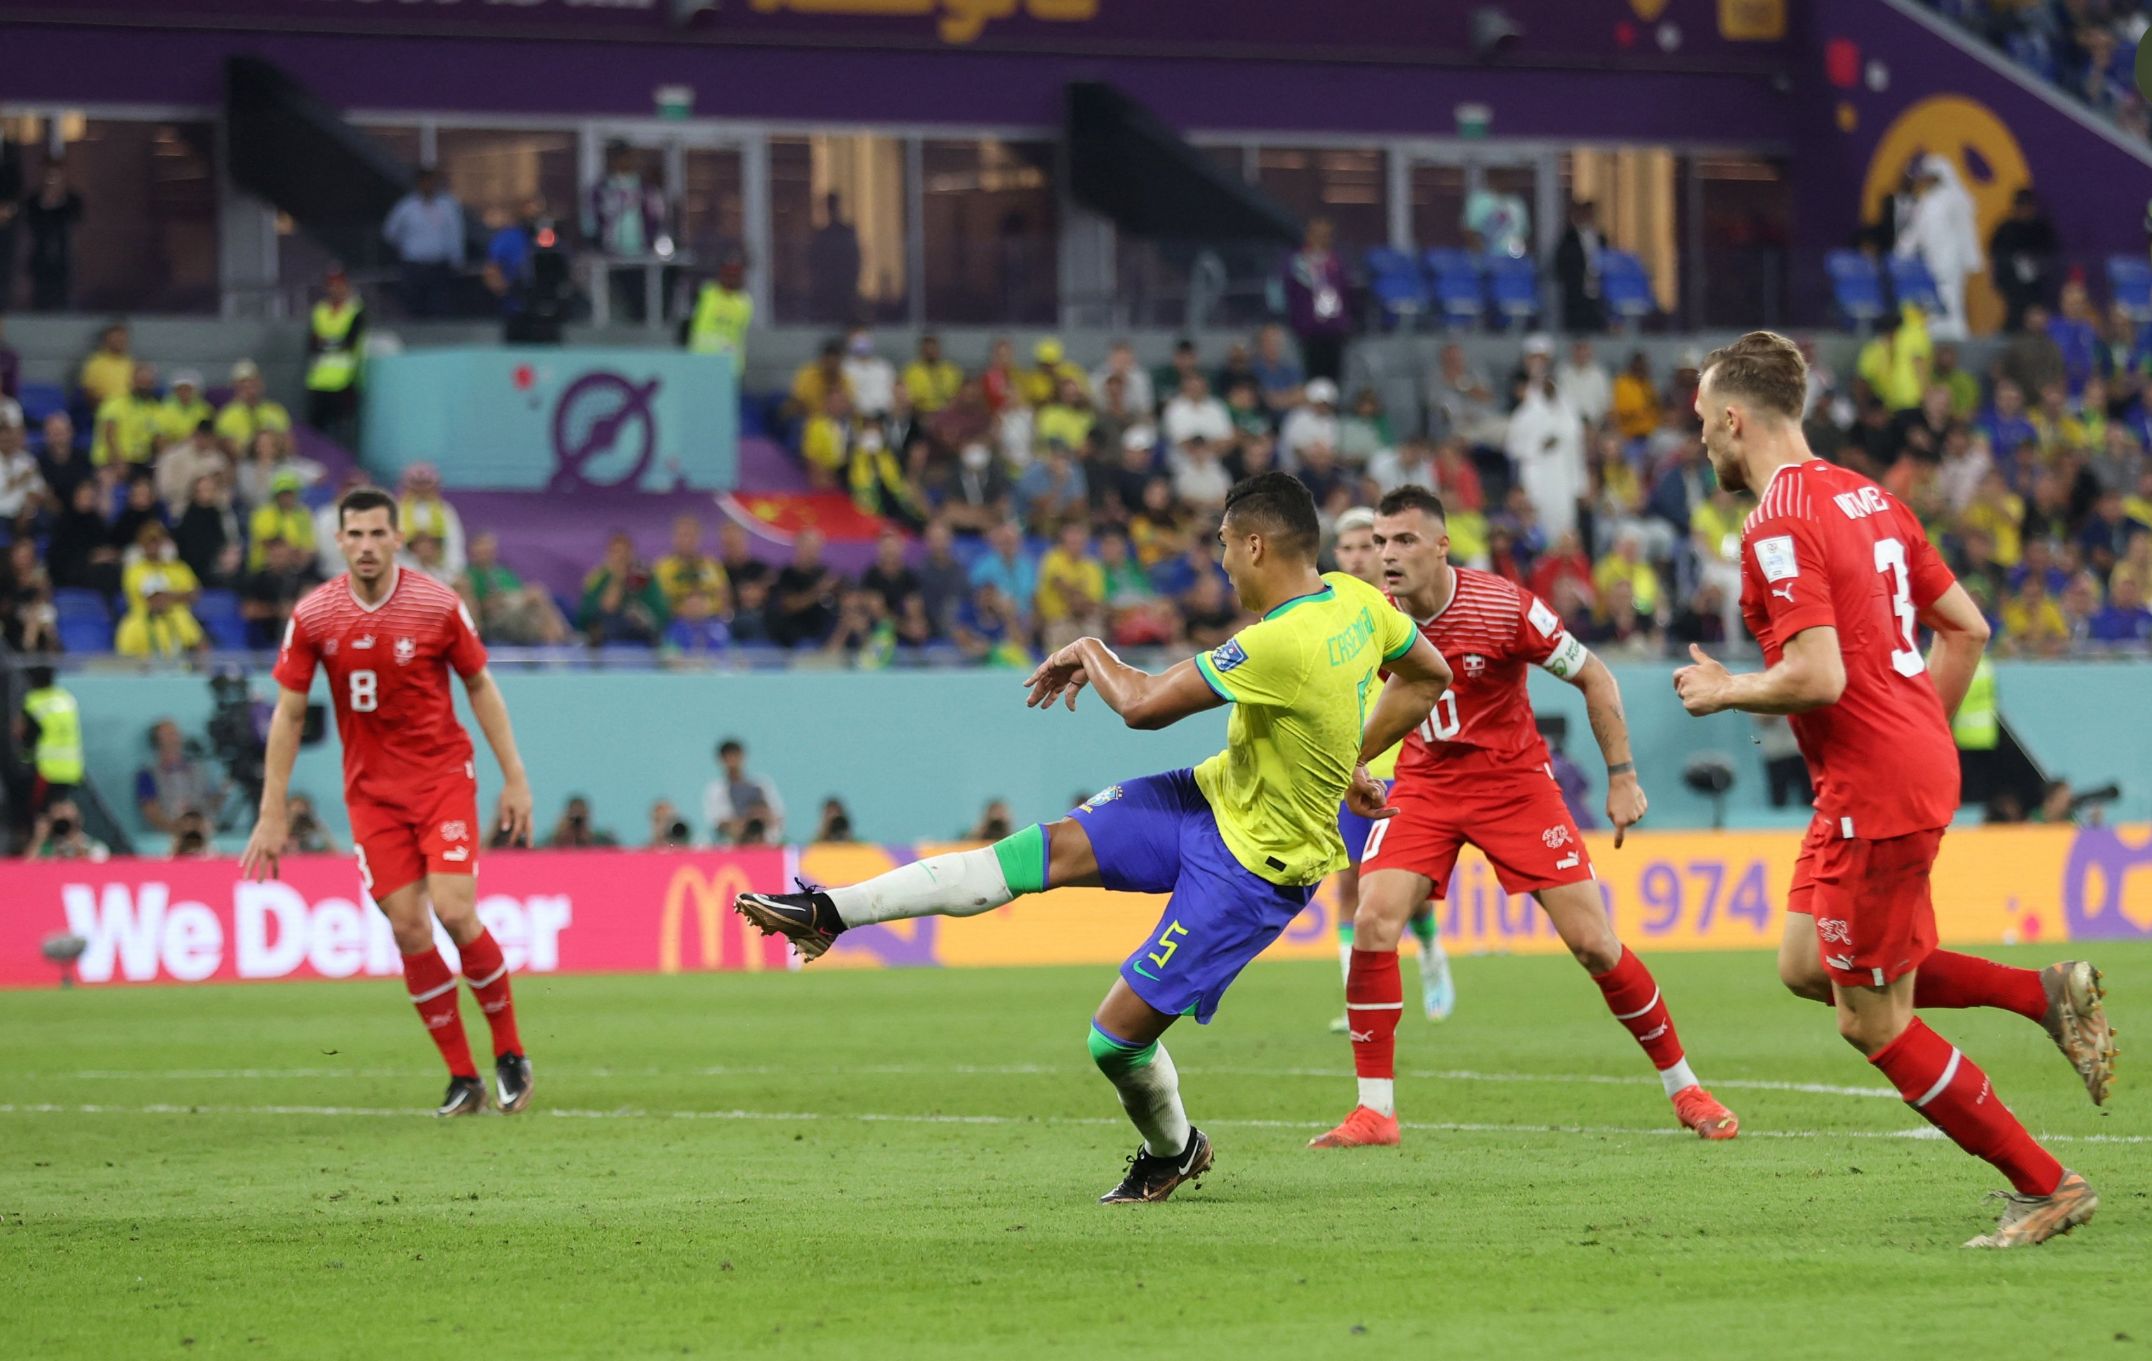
146	236
1346	186
992	231
301	259
861	177
1438	204
494	171
1639	208
1743	206
1189	284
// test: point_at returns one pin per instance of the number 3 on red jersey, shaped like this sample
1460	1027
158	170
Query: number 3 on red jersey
1890	562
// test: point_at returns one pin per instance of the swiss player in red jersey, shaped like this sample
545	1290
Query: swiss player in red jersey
1837	577
1476	772
387	639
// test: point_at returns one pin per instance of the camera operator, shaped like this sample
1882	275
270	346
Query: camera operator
574	831
668	830
303	832
58	835
175	783
190	838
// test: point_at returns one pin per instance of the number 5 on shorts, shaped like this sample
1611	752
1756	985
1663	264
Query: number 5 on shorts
1168	944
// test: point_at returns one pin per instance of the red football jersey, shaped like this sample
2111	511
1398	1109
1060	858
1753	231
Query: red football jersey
388	679
1826	547
1491	630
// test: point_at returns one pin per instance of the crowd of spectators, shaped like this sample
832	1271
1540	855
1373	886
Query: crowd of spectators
2086	48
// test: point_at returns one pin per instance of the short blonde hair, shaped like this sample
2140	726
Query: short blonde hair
1763	368
1359	517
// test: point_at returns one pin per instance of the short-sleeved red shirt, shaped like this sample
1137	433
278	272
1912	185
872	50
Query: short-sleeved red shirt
388	668
1826	547
1490	632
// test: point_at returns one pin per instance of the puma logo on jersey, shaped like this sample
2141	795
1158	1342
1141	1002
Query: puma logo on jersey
1859	505
364	640
1783	592
460	854
1567	862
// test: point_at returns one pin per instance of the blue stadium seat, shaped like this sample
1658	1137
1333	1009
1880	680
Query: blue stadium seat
1911	281
1513	286
1458	292
1856	286
1625	286
218	614
40	400
1397	286
79	603
2129	278
81	634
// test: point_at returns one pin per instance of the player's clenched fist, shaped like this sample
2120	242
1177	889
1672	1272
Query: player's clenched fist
1702	687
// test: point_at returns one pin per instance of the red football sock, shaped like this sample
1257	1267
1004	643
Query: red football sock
1949	1091
488	973
1947	979
433	992
1633	996
1374	999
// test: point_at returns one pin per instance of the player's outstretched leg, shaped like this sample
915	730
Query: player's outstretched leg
1949	1090
1438	993
958	884
1173	1151
2064	999
432	987
1632	994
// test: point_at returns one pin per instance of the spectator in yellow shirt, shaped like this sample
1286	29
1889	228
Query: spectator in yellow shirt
2033	625
1626	564
1999	513
128	423
155	561
930	379
1067	418
688	569
1896	363
1636	399
815	380
1040	383
1071	598
282	516
110	368
184	409
161	626
826	443
250	413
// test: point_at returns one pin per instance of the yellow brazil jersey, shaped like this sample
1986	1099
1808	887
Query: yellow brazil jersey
1301	681
1383	767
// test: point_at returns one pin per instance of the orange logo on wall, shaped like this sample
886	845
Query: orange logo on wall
1989	161
721	934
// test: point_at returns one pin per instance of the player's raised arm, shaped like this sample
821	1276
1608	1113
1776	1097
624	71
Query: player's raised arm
491	711
1140	698
1418	676
271	829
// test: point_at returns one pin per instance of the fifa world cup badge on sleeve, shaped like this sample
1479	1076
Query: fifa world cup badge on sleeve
1228	655
1775	556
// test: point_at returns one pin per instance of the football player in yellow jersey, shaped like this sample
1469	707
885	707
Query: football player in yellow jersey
1240	841
1355	551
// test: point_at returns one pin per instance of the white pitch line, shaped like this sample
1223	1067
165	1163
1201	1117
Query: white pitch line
958	1070
629	1113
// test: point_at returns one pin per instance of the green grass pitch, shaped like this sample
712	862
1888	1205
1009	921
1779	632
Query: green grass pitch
904	1164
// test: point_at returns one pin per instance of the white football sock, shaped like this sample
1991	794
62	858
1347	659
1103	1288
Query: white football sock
959	884
1676	1077
1379	1094
1151	1095
1345	956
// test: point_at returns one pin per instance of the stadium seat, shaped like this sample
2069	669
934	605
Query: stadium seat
81	634
40	400
1625	286
1513	287
2129	278
218	614
1397	286
77	602
1458	293
1856	286
1910	279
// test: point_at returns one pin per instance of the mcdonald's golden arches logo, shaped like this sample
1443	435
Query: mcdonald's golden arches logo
721	934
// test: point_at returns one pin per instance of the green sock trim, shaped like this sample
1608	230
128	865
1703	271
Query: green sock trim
1424	928
1114	1057
1345	931
1023	859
